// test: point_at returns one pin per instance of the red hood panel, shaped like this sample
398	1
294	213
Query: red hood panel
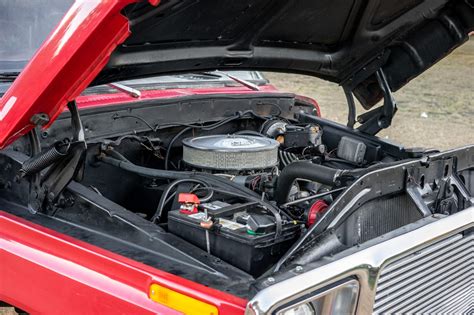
64	66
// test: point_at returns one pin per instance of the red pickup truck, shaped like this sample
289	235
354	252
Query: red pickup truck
146	166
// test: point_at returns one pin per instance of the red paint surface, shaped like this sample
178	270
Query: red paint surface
43	271
120	98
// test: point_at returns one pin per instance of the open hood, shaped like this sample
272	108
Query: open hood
344	41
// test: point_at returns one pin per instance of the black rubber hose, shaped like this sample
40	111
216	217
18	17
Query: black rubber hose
144	171
208	178
118	156
164	174
303	170
321	174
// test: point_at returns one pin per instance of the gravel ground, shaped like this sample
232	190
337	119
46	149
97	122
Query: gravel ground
435	110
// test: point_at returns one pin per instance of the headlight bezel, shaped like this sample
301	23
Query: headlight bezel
328	291
363	263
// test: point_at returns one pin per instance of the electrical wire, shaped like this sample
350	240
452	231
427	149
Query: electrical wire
136	117
275	213
158	215
170	145
206	128
188	127
176	124
235	189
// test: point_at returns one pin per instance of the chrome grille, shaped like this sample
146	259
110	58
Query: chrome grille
438	279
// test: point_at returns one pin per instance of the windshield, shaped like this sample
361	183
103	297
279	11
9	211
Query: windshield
24	25
186	80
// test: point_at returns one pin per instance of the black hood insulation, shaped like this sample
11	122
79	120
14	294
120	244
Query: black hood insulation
344	41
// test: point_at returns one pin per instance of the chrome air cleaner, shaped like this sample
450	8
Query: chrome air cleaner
230	152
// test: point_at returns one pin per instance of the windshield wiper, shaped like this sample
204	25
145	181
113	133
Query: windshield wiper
126	89
219	74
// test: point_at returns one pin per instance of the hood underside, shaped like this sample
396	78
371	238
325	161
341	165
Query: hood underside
344	41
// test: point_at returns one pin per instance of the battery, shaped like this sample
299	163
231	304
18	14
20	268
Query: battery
233	241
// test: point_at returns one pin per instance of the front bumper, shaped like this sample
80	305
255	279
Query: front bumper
367	265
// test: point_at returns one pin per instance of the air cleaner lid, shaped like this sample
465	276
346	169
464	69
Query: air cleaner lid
231	143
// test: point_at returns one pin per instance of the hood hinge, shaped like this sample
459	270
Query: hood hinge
64	162
376	119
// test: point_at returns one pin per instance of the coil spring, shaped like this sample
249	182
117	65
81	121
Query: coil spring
45	159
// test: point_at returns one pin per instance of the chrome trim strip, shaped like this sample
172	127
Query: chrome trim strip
365	265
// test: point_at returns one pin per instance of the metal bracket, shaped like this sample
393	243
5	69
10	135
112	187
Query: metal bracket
40	119
380	118
351	116
415	195
45	195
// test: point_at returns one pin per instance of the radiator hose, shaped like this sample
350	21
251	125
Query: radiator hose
321	174
304	170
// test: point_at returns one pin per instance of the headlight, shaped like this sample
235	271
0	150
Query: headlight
341	299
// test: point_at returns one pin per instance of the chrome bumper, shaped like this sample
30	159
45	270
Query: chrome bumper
368	266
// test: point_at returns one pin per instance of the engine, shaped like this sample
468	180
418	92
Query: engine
265	163
251	191
245	187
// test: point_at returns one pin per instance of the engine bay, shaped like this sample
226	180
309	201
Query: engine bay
250	190
256	190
